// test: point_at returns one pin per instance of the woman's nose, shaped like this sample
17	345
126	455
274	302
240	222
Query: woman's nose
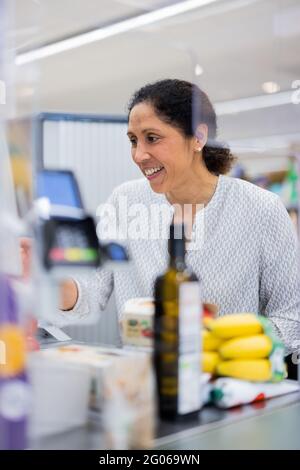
141	154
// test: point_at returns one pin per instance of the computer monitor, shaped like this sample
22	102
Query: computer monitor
60	187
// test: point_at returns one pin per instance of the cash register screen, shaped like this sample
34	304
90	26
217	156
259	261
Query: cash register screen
60	187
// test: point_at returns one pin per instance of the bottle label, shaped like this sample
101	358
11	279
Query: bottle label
189	363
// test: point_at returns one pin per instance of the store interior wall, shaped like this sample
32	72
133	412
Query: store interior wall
230	48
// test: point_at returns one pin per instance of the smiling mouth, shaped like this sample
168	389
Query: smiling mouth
152	173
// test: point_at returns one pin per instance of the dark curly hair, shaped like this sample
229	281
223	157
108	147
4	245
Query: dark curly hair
185	106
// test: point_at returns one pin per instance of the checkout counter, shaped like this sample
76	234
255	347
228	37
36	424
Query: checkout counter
270	424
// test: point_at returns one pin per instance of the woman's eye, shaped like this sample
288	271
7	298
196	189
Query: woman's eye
132	141
152	138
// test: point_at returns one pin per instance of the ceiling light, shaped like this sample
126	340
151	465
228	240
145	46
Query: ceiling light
254	102
111	30
270	87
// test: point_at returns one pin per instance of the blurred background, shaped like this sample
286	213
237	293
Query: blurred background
79	61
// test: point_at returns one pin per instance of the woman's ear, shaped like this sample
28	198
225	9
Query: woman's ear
201	136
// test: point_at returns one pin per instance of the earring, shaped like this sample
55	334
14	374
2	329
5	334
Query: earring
198	149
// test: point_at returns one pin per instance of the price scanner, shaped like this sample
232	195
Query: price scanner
67	244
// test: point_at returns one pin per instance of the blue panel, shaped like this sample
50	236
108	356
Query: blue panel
60	187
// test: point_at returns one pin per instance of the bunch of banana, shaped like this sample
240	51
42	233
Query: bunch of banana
248	348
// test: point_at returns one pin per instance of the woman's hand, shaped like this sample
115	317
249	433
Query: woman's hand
68	294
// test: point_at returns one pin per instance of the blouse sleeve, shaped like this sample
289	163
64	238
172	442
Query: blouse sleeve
279	275
94	291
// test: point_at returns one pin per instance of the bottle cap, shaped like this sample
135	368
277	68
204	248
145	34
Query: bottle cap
177	240
177	231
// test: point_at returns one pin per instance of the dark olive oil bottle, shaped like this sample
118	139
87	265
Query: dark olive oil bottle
177	334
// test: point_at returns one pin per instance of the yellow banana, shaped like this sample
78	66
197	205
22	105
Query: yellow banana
257	370
247	347
209	341
209	361
238	324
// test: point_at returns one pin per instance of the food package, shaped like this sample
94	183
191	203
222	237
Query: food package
60	395
122	392
228	392
137	322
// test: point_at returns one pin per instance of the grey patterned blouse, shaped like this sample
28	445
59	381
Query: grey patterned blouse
244	251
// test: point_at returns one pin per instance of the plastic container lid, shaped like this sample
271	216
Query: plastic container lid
139	305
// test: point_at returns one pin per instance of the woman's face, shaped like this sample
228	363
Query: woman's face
163	154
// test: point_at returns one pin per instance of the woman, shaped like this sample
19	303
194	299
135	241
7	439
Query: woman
246	254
